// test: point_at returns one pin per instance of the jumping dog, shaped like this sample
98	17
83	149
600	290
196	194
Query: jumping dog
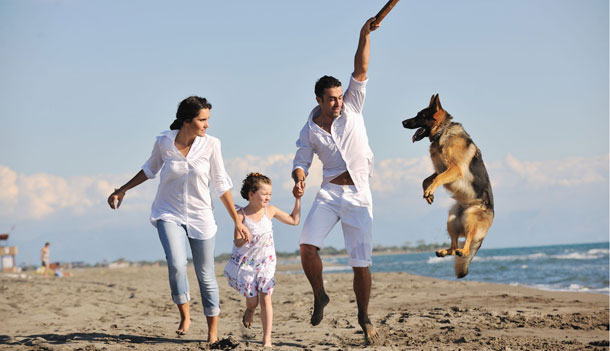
458	166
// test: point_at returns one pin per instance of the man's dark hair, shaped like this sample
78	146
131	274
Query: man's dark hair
325	83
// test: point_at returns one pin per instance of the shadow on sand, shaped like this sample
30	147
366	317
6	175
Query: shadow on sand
30	340
59	339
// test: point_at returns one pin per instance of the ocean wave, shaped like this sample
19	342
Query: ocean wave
507	258
589	255
598	252
435	260
569	288
533	256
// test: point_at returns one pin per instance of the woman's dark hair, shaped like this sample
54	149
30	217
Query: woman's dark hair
325	83
188	109
252	183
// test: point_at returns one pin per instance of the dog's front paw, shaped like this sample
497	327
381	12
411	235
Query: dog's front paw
441	253
429	198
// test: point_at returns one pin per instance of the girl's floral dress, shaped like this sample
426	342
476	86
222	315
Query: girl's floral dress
252	266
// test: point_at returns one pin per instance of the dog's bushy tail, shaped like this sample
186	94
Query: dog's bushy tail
461	264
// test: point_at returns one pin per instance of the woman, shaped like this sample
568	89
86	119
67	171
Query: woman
190	163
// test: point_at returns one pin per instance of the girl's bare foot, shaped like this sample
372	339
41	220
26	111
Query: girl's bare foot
212	337
183	327
247	318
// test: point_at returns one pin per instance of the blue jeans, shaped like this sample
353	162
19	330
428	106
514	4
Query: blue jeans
173	238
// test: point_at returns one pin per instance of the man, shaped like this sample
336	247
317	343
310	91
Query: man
45	258
335	131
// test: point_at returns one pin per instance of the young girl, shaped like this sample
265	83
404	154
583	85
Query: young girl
252	265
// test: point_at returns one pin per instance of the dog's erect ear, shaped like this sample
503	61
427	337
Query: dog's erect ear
431	101
437	103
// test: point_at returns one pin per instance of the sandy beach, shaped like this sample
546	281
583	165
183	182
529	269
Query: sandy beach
130	309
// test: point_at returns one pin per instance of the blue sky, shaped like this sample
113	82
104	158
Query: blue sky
86	87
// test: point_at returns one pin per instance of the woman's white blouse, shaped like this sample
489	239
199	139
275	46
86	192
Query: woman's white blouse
183	196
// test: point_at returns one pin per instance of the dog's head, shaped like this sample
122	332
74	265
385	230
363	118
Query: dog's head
427	120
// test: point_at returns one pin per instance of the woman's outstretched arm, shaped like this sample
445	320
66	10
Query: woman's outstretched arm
118	194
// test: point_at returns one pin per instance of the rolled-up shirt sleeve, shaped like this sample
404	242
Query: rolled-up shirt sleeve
355	95
220	179
155	162
304	155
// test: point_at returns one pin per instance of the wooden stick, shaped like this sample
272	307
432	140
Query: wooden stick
383	12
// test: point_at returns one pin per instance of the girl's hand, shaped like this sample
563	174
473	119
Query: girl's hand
239	242
299	189
116	197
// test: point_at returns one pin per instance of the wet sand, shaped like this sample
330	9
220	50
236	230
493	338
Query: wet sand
130	309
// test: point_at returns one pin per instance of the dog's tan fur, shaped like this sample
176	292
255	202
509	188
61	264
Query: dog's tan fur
459	168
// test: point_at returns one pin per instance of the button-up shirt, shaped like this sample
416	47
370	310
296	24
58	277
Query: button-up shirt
183	196
345	147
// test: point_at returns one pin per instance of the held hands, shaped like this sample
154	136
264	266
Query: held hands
241	234
299	189
116	197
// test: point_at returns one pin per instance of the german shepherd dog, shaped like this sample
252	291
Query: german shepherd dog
459	167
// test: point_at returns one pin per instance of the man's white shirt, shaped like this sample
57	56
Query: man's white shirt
346	147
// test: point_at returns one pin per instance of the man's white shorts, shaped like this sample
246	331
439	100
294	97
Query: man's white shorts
342	202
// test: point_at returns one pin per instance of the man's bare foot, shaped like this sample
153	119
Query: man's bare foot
370	333
318	308
183	327
246	320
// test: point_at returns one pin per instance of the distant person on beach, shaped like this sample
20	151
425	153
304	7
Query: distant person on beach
190	163
251	268
45	258
335	132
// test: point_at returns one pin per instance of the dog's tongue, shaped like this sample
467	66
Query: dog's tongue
419	134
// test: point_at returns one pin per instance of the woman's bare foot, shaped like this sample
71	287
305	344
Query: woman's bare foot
183	327
212	328
247	318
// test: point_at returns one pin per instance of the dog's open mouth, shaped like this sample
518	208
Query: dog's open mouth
420	133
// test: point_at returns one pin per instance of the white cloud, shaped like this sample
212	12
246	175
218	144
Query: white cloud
568	172
394	181
395	173
9	191
41	195
277	167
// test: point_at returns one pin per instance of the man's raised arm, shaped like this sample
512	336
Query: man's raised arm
361	59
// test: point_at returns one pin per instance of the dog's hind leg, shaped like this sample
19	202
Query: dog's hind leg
476	222
462	263
455	228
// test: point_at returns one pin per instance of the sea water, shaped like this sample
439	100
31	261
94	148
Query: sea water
575	267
